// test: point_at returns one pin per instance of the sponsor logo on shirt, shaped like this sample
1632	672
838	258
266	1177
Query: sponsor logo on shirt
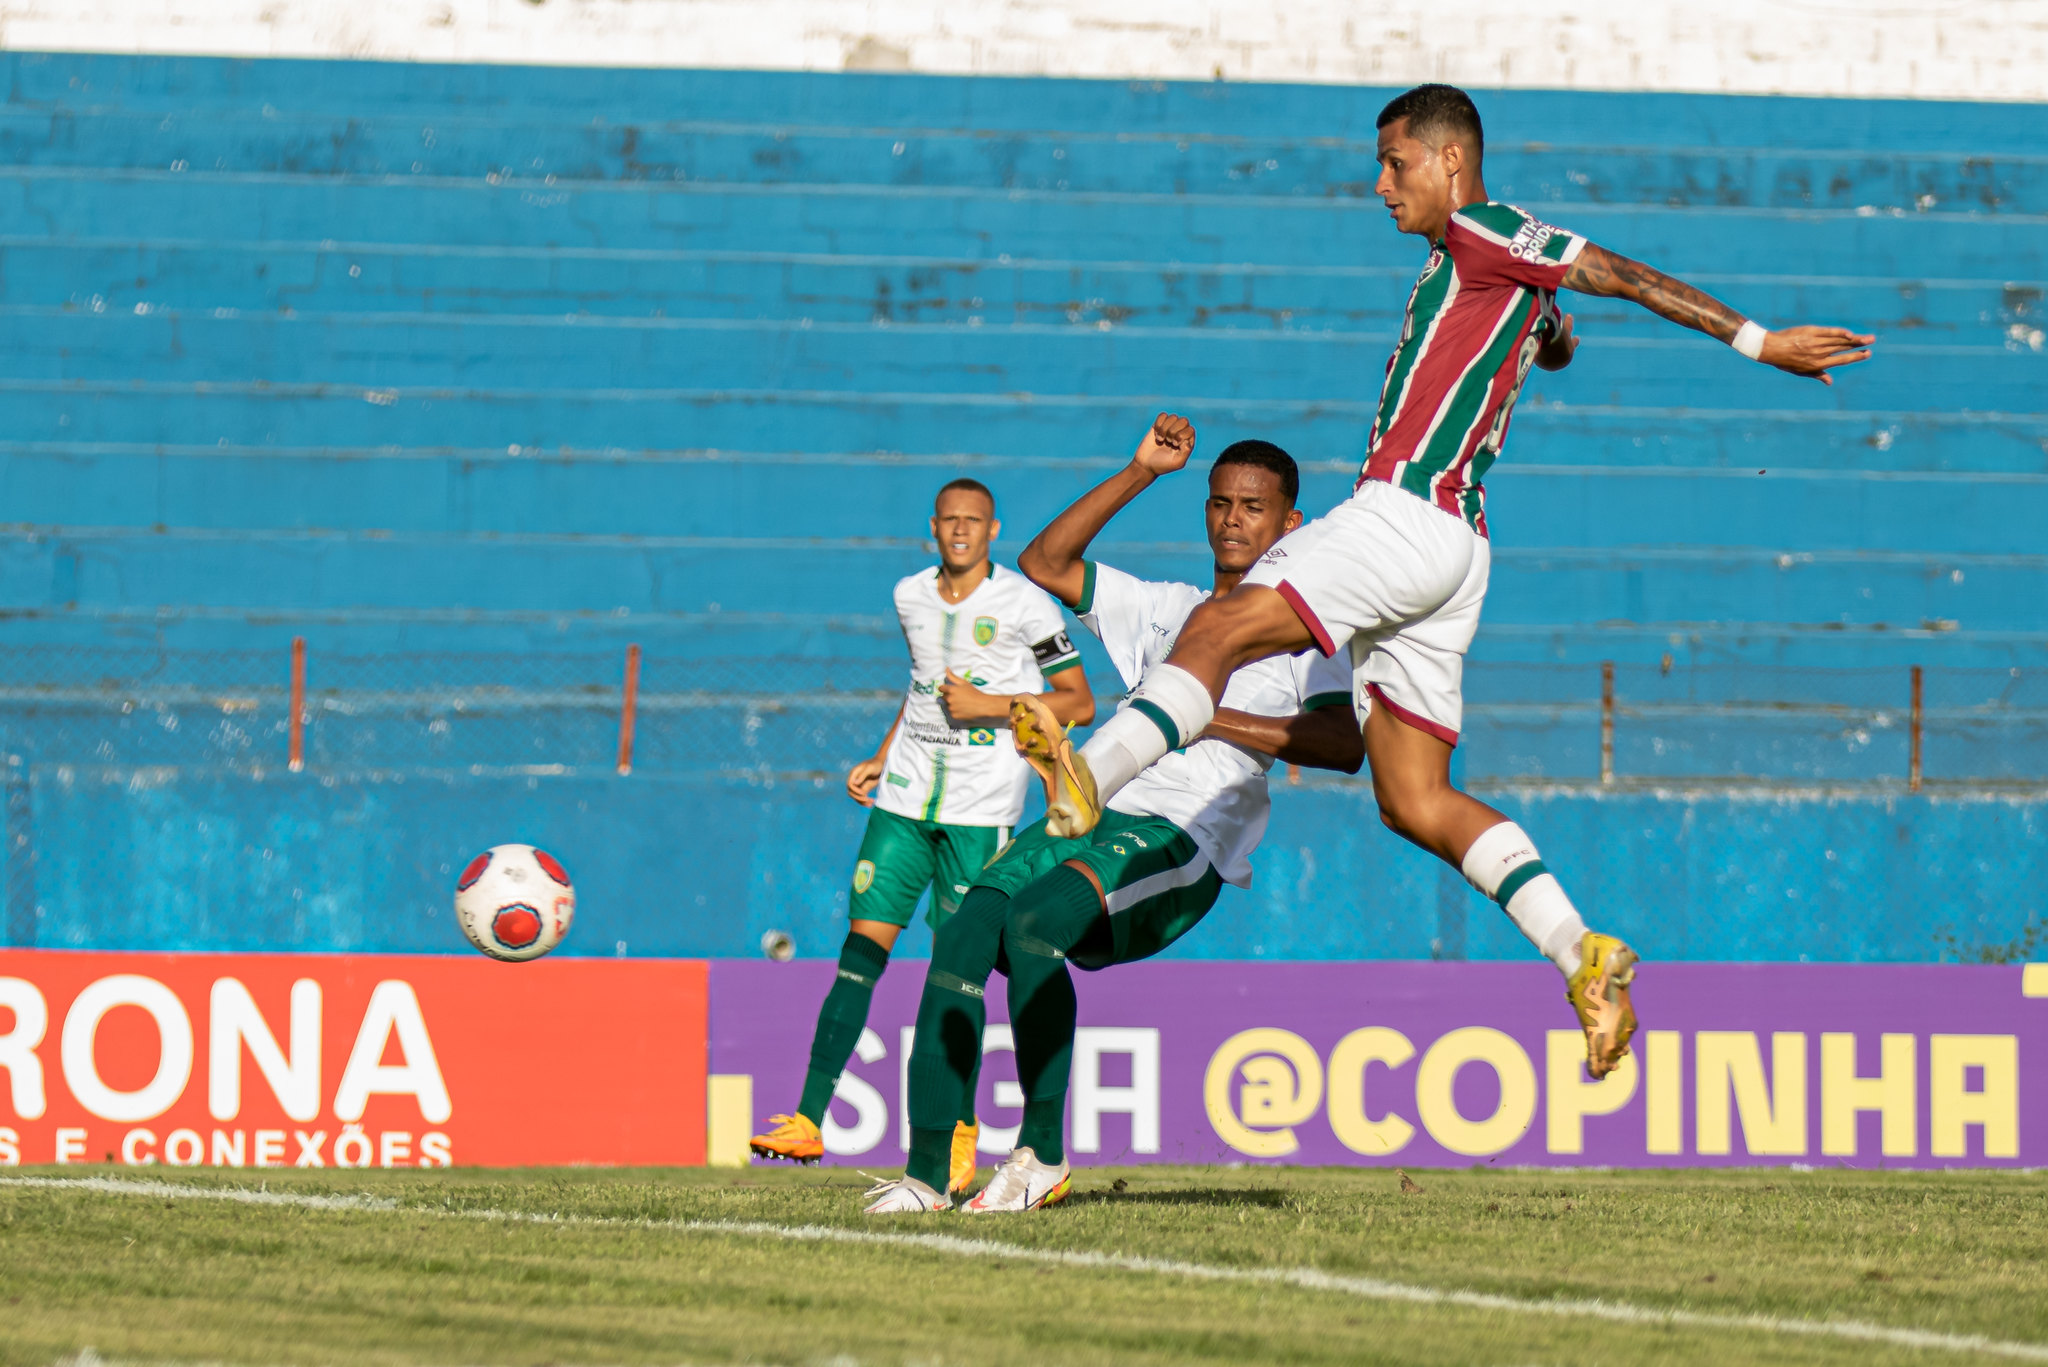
1274	556
1529	242
899	780
984	630
931	735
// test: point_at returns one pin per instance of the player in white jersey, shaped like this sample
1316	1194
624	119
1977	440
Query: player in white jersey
946	786
1162	853
1397	573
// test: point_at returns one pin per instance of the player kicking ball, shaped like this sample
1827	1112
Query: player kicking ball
1154	865
1398	571
946	786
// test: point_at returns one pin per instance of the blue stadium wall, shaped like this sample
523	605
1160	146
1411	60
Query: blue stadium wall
472	376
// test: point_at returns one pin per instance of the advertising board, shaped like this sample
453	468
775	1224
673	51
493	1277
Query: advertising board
341	1061
1861	1065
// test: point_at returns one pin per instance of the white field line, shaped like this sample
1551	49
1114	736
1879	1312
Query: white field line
1307	1279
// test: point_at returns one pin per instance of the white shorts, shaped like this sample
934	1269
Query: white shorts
1401	582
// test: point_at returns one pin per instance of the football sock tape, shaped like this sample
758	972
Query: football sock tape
1503	864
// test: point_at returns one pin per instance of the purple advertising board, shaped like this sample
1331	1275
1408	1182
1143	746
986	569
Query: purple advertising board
1454	1064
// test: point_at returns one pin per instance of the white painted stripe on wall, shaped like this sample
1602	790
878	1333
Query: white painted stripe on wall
1948	49
1300	1278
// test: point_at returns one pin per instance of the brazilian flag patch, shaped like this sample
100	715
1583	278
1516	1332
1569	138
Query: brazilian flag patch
981	735
984	630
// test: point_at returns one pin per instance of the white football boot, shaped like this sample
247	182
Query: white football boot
1022	1183
905	1195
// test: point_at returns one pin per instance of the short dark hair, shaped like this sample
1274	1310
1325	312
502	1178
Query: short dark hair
1438	114
1266	456
965	485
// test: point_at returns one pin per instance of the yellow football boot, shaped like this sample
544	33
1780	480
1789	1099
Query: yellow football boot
1598	992
791	1137
1071	807
960	1175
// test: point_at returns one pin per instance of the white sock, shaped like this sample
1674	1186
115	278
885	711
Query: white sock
1504	859
1168	709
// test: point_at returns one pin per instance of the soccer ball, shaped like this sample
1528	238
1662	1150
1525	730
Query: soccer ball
514	902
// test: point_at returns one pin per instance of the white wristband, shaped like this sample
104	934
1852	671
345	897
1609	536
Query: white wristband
1749	339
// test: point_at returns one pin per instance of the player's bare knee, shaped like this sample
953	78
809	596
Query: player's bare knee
1411	810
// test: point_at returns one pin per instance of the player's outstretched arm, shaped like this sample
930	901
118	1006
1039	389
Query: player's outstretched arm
1053	560
1327	738
1806	350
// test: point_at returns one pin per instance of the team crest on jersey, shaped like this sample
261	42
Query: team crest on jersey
984	630
981	735
863	875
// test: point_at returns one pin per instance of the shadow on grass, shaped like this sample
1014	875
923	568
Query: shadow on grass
1195	1196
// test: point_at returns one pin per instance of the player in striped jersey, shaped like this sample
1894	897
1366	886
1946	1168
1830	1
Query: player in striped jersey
1398	571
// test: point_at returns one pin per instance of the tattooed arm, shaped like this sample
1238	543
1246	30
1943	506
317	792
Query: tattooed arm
1811	351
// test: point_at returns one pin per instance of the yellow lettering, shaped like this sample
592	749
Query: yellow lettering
1773	1114
1439	1070
1663	1091
1894	1093
1283	1086
1573	1096
1996	1106
1354	1128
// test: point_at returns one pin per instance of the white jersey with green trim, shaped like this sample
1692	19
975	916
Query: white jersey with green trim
1006	637
1213	790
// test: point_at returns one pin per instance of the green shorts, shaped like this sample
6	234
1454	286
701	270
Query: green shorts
900	857
1156	880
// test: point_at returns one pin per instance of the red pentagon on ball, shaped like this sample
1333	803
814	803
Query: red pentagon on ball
516	926
473	872
551	866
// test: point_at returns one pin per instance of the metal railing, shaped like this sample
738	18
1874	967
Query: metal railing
1617	724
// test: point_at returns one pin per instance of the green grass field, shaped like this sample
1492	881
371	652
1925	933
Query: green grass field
1207	1265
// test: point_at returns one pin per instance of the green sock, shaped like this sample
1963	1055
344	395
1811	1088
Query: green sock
1044	1131
945	1058
931	1156
1052	916
840	1021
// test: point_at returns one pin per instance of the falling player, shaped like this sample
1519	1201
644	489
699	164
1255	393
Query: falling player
1399	570
946	786
1155	865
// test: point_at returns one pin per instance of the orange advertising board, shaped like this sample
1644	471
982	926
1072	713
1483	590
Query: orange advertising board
347	1061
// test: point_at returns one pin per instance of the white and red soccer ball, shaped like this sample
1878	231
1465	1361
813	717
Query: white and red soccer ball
515	902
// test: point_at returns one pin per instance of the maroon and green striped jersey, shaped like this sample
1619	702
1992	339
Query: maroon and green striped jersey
1483	306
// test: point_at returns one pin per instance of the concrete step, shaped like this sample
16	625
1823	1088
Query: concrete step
960	428
283	571
69	83
1612	170
849	498
1669	368
986	225
114	276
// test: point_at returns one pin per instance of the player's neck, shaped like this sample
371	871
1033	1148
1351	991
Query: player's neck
955	585
1466	191
1226	580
